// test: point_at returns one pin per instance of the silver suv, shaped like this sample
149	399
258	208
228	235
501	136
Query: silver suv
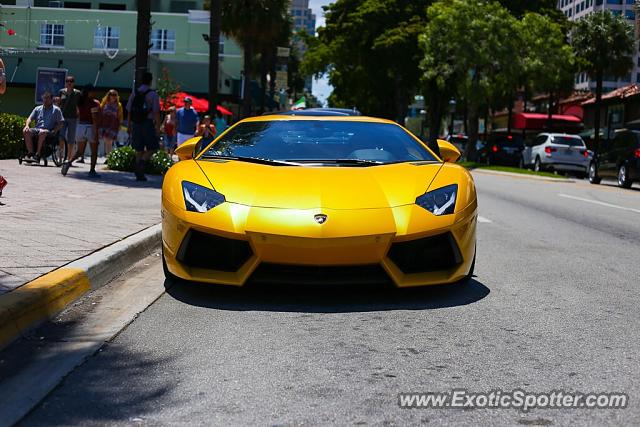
557	152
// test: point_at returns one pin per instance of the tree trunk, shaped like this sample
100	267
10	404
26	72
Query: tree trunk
509	116
470	153
596	124
435	116
550	113
264	69
246	101
400	100
466	117
143	29
214	53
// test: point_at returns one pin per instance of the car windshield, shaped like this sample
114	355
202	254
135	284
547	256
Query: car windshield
568	140
328	142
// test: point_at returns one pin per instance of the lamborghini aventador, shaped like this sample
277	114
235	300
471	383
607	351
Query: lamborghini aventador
318	199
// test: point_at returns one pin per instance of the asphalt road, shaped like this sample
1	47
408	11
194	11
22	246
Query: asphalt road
554	306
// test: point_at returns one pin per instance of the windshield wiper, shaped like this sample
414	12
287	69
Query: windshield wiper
258	160
356	162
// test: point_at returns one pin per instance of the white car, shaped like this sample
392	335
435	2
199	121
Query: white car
556	152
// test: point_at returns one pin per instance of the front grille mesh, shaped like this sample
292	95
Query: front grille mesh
202	250
425	255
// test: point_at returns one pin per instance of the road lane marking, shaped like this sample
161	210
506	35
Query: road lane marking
484	220
596	202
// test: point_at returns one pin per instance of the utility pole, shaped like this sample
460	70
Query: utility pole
142	39
214	53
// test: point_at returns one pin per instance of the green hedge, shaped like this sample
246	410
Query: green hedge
11	140
124	159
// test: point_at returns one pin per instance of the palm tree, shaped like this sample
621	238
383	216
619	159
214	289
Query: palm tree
214	53
254	24
604	43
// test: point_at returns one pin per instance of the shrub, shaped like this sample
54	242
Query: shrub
159	164
124	159
11	140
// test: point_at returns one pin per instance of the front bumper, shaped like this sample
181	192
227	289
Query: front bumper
409	245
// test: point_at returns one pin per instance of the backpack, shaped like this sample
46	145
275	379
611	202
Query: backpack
139	107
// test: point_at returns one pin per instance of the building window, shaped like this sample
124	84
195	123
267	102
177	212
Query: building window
51	35
182	6
629	14
112	6
106	38
638	78
598	2
163	41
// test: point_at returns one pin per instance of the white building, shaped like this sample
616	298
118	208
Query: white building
303	19
576	9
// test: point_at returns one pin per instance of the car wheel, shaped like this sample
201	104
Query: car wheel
167	274
469	276
593	174
537	165
623	177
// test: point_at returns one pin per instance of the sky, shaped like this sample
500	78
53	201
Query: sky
321	87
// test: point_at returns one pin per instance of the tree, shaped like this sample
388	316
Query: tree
166	88
604	43
214	53
143	28
549	63
468	51
254	24
369	49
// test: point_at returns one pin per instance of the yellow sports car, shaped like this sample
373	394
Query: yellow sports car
315	197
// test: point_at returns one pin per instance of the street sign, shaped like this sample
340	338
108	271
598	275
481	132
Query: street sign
283	52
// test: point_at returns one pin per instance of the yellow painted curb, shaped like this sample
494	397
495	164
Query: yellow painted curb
39	300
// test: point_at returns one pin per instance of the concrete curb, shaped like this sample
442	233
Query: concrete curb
44	297
523	176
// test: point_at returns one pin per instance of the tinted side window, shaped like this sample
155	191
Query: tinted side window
540	139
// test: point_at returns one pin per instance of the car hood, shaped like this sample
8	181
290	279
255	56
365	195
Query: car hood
331	187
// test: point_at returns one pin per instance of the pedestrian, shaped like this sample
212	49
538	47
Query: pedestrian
144	123
87	129
187	120
69	97
169	130
206	129
48	119
3	78
220	123
110	119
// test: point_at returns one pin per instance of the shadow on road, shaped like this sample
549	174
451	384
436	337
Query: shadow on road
325	299
125	179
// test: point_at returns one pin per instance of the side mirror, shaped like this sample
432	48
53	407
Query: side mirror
448	151
187	149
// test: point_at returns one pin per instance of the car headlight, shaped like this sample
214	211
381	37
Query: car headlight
441	201
200	199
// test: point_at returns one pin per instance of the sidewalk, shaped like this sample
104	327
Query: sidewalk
47	220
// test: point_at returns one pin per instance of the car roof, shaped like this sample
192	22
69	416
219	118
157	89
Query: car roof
317	112
282	117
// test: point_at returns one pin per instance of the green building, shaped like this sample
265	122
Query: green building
94	39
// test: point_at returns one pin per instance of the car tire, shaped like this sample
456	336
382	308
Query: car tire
167	274
623	176
537	165
593	174
466	279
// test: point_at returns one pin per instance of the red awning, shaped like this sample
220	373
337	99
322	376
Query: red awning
201	105
540	121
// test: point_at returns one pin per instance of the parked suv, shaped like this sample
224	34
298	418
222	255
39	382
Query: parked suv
557	152
618	158
502	149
